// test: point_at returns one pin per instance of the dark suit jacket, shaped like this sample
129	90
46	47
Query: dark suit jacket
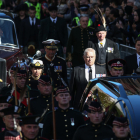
131	64
78	82
25	32
61	30
109	44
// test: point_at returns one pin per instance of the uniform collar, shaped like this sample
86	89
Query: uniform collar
43	96
49	58
62	110
96	125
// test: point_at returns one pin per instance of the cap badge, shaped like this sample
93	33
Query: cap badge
53	43
37	64
118	62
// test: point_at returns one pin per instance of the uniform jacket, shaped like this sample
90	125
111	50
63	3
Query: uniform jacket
78	82
111	49
67	121
131	64
57	67
61	30
24	34
93	132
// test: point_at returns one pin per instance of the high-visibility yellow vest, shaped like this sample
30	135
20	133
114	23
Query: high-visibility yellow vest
37	7
78	23
1	3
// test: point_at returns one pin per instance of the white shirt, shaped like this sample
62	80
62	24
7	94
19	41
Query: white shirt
34	20
104	41
138	59
53	19
87	72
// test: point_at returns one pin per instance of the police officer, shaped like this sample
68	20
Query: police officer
117	66
37	6
67	119
120	129
95	129
83	10
42	102
10	120
79	38
53	64
30	128
36	67
3	104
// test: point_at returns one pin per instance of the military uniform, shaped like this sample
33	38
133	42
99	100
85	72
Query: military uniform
57	67
67	121
2	125
37	138
79	40
6	90
93	132
115	138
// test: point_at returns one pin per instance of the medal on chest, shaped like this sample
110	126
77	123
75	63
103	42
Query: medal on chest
51	64
72	122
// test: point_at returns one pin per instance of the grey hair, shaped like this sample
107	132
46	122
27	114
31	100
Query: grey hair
89	50
84	15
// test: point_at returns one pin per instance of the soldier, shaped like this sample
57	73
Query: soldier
53	64
79	38
40	103
30	128
117	66
67	120
10	119
120	129
36	68
3	104
95	129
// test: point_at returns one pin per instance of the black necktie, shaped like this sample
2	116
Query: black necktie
32	22
54	21
90	73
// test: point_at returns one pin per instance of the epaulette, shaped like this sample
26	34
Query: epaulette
75	27
61	57
91	27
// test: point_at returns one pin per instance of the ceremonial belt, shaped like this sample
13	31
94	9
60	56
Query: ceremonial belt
18	95
101	64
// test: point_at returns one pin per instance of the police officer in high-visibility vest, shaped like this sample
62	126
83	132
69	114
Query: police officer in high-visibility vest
1	3
37	5
83	10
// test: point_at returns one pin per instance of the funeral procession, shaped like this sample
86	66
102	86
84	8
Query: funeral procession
69	69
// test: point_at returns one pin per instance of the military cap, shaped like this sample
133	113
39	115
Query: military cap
3	99
95	107
120	121
117	63
12	135
100	28
37	64
45	79
29	119
51	43
21	73
52	8
84	7
11	110
63	89
13	68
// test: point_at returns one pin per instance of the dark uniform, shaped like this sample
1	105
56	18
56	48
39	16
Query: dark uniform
67	121
93	131
6	90
56	66
10	133
79	40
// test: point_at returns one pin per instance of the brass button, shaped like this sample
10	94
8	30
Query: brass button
65	125
57	73
67	135
29	84
96	130
66	130
46	100
47	104
65	115
65	120
95	135
48	109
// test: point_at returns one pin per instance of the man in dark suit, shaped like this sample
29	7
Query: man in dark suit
82	74
133	61
53	27
29	30
106	49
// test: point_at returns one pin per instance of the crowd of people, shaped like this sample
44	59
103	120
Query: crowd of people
39	102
